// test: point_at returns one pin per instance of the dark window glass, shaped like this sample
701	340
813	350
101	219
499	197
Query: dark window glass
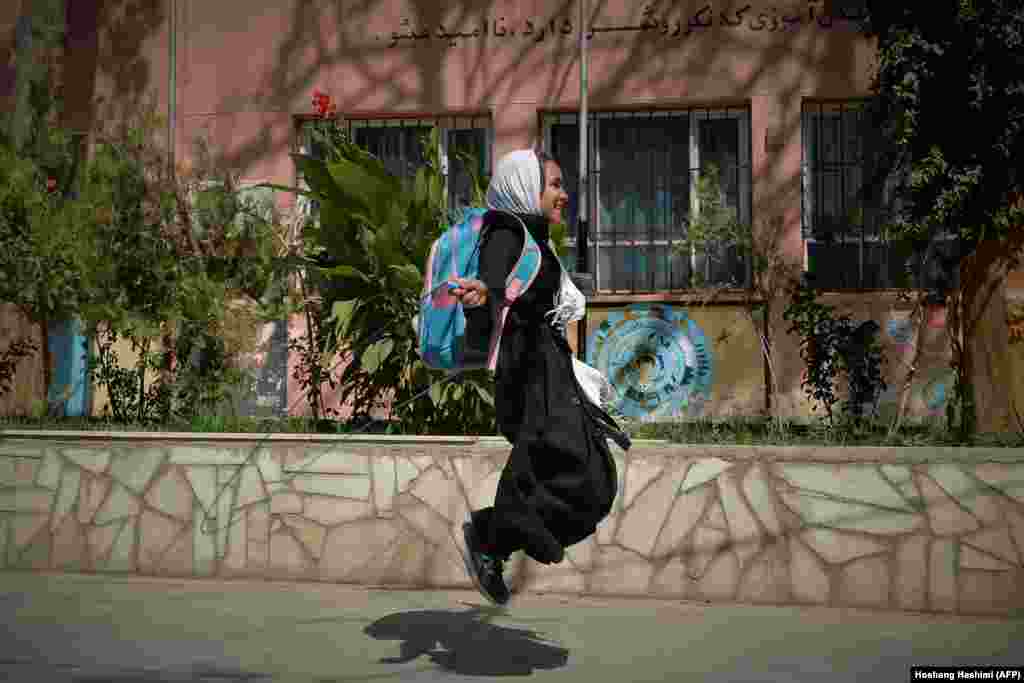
642	182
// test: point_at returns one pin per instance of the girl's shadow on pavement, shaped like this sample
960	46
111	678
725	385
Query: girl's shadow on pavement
467	643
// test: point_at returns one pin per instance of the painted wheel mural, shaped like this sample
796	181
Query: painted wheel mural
656	358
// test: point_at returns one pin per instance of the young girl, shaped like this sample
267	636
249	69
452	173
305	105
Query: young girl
560	479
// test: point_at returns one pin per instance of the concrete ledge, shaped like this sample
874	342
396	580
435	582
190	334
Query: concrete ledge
921	529
208	437
645	447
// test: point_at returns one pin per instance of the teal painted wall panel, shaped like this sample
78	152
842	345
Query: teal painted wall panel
67	346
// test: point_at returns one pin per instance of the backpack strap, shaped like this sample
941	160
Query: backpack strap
519	280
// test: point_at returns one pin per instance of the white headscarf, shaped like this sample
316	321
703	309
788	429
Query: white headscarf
516	185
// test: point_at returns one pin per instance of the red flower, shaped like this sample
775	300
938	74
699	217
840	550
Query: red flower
322	104
51	184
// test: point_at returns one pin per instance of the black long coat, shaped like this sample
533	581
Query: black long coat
560	480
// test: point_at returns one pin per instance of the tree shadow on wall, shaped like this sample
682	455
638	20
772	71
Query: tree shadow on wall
108	43
467	642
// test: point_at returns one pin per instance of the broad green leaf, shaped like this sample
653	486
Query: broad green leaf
368	240
387	246
369	163
317	175
341	316
374	356
437	191
436	393
419	186
349	290
338	231
485	395
345	271
340	217
315	194
359	185
409	275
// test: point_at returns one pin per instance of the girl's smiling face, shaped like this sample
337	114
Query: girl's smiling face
553	198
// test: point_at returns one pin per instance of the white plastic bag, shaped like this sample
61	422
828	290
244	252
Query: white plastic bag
593	383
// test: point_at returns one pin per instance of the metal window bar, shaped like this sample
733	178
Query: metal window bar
833	144
694	199
647	215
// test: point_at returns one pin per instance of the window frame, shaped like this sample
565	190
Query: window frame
870	232
693	116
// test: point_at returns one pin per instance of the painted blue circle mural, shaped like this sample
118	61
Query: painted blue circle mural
657	360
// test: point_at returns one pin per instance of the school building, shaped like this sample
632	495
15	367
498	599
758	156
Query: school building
769	94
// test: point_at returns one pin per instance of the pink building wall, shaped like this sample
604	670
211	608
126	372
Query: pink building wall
246	80
246	70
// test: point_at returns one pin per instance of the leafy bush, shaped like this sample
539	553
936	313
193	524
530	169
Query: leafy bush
47	255
366	249
177	250
832	346
120	239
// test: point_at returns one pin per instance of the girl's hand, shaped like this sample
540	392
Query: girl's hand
471	293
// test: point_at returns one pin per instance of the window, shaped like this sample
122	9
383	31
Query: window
643	174
842	224
396	142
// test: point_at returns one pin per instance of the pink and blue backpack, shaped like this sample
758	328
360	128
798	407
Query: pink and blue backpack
441	323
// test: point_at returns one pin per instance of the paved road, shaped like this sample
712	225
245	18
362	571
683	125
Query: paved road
93	629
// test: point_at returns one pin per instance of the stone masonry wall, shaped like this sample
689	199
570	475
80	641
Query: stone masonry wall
937	530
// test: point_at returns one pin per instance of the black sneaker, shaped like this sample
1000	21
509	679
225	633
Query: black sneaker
485	570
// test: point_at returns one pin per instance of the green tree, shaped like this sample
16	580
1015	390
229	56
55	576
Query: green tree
134	250
47	255
178	248
949	108
122	241
42	264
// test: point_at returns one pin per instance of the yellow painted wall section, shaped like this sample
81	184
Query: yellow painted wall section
127	358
